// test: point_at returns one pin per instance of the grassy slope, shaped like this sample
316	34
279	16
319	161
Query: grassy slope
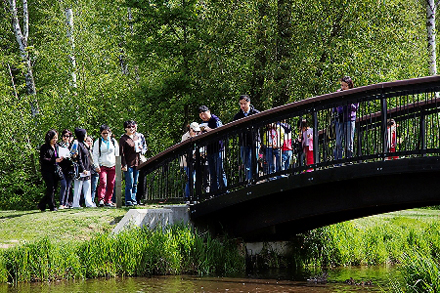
64	225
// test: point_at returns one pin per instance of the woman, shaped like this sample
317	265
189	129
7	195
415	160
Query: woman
67	167
193	130
130	148
83	183
94	172
105	151
49	159
306	138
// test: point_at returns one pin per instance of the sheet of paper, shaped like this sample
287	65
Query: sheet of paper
64	152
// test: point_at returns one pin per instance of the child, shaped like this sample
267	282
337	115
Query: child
306	138
392	138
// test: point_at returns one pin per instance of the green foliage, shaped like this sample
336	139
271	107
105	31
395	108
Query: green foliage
352	243
421	273
157	61
133	252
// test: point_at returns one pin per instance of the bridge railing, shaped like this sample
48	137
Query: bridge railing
413	104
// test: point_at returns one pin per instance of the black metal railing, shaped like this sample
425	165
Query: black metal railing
413	104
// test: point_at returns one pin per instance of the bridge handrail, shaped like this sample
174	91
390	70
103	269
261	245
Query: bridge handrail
382	91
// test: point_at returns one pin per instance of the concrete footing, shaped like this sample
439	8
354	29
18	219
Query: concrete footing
153	218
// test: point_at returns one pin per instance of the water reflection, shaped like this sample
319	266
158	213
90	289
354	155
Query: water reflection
271	283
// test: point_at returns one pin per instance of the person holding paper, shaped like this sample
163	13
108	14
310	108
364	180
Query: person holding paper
84	165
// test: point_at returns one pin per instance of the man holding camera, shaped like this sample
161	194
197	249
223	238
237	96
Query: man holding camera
214	151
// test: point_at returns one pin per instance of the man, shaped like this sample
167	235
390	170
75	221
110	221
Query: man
142	178
247	139
130	150
214	151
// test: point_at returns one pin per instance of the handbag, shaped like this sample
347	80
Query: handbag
75	173
59	172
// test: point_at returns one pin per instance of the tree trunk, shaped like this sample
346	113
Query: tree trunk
69	20
22	40
431	8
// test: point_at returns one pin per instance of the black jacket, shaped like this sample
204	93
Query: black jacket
245	138
48	158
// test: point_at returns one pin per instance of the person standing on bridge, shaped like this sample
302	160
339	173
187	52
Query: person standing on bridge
214	151
345	123
306	138
188	163
247	140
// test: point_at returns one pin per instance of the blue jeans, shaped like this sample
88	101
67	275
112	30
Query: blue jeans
65	190
94	185
187	187
344	139
286	159
270	154
246	157
131	180
216	172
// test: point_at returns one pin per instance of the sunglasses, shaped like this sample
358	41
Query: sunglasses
104	133
66	135
130	126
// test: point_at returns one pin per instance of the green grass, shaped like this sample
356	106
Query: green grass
65	225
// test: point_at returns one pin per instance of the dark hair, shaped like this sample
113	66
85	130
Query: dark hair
104	127
203	108
302	123
66	131
391	122
50	135
244	97
348	81
128	122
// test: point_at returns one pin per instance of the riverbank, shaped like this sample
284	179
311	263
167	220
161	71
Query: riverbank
77	244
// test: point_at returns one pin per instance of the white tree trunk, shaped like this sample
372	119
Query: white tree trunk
431	8
22	40
69	19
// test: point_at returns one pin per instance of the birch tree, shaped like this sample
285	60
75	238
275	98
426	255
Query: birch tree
22	36
69	21
431	8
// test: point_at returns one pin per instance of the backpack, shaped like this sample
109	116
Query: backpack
100	143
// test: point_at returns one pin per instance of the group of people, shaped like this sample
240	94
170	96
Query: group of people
85	163
272	144
79	159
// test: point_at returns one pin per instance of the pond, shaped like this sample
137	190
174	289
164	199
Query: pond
270	281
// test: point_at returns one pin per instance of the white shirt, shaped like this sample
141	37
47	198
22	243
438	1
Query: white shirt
108	153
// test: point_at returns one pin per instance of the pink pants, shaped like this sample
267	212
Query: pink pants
106	183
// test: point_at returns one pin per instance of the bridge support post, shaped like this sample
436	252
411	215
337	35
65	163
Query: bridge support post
118	183
315	137
384	127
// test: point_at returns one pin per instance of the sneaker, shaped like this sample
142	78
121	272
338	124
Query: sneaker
61	207
101	203
109	204
128	204
134	202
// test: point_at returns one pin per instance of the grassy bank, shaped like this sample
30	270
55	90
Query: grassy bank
373	240
77	244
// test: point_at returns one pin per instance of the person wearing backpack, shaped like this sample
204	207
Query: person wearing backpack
105	151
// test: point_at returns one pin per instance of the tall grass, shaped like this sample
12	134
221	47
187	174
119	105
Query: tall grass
420	273
350	243
133	252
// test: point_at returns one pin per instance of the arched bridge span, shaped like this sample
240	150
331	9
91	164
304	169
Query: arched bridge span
267	202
